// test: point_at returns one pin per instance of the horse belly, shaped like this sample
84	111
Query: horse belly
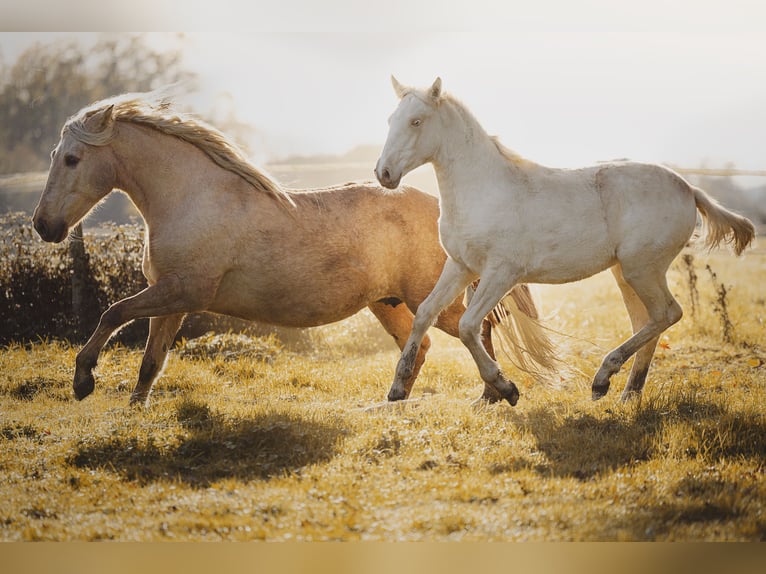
570	252
293	301
563	266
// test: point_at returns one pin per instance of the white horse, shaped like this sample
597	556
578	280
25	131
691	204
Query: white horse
509	220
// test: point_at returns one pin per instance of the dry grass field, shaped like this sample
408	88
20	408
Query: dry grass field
260	442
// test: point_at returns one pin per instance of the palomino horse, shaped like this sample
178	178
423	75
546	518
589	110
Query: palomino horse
509	220
223	237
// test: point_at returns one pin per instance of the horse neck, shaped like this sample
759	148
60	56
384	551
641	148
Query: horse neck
159	172
466	157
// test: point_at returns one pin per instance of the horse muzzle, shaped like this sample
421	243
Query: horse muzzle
386	177
50	230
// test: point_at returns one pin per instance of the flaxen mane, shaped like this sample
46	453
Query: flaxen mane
158	114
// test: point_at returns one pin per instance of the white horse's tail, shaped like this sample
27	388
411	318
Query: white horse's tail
520	334
722	224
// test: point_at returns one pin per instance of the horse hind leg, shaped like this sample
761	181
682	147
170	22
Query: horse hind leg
638	318
660	310
162	331
397	319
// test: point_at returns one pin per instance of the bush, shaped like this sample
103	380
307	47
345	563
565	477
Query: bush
37	278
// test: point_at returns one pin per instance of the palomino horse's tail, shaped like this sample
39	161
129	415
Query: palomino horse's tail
520	334
722	224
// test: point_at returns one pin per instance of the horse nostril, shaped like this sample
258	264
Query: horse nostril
386	175
41	227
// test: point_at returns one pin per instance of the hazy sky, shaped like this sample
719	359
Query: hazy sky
561	82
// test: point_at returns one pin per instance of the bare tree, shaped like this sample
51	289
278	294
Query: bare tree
49	82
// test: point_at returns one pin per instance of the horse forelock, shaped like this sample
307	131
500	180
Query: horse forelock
158	113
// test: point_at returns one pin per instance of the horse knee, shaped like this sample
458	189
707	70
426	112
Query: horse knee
420	325
468	330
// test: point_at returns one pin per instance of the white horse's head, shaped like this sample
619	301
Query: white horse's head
413	133
81	174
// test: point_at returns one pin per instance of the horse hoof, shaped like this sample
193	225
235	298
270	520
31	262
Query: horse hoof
396	394
512	396
84	387
504	389
138	401
600	385
599	392
490	395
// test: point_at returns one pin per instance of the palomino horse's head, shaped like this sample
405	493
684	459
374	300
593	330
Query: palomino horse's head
413	133
81	174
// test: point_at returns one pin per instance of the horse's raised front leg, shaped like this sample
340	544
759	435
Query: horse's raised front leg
452	281
490	291
166	297
162	331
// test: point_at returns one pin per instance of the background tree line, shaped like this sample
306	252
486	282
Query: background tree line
50	82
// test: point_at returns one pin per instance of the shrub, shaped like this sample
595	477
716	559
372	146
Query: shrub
36	281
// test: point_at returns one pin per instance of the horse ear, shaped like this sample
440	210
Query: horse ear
101	120
398	88
436	89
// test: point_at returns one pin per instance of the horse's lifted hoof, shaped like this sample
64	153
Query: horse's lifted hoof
489	396
600	391
505	389
84	387
512	396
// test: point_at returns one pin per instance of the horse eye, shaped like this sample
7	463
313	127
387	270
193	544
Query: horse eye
416	122
71	160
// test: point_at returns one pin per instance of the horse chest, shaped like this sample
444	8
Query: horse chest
466	248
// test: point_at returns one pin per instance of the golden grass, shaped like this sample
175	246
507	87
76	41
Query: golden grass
278	446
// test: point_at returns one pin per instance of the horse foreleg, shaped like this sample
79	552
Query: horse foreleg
163	298
488	294
651	288
452	281
162	331
449	322
397	319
